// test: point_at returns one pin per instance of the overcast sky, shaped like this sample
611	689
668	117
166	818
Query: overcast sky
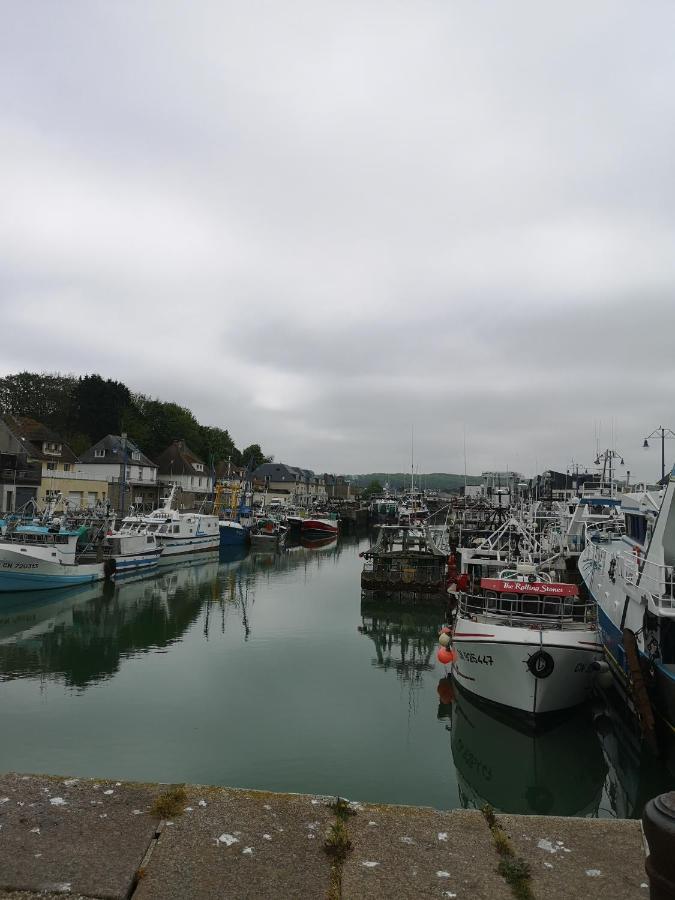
320	224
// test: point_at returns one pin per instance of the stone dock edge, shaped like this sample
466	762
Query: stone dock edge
115	840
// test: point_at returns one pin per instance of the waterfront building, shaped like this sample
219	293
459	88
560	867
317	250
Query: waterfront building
338	487
131	477
297	487
181	466
61	475
20	474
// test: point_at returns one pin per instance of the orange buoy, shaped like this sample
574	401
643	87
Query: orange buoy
444	656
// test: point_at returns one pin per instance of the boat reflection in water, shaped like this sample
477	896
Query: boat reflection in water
80	634
560	771
404	641
635	775
319	543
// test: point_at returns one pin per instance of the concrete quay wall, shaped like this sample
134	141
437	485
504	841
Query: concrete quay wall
112	840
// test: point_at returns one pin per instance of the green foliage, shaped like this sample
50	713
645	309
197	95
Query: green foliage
83	410
170	803
513	869
373	487
98	406
162	423
337	843
253	457
46	397
216	444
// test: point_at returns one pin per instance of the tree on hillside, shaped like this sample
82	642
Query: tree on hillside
217	445
46	397
374	487
98	407
157	424
252	457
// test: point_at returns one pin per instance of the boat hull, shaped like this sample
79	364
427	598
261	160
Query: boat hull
180	545
126	564
527	670
264	541
232	534
316	528
41	569
619	605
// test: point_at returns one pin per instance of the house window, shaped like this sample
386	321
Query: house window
99	454
199	467
136	454
66	467
51	467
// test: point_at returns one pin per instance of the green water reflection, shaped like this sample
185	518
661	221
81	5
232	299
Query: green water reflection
270	671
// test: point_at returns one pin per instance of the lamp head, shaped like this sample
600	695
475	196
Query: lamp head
645	446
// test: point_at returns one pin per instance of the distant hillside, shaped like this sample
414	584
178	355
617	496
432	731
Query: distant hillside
434	481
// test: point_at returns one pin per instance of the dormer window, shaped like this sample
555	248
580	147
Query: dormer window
136	454
199	467
51	447
99	454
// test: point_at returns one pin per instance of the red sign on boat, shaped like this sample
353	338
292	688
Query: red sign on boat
557	589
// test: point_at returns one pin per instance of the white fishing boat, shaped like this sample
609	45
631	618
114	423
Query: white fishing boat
33	557
525	642
176	532
36	557
122	553
629	573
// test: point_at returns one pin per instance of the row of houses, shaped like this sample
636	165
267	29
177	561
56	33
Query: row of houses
37	464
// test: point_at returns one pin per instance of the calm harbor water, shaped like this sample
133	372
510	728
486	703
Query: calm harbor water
270	672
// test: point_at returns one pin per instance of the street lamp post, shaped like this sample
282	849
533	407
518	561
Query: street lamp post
123	472
663	433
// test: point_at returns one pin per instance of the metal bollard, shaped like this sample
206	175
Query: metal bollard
658	820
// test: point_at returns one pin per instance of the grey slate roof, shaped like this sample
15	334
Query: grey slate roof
34	433
112	444
282	472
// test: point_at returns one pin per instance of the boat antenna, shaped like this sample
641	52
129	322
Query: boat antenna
465	460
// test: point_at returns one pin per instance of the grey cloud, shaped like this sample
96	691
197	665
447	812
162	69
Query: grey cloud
320	224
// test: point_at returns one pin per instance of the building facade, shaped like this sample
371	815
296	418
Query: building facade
20	474
292	485
62	481
338	487
131	477
181	466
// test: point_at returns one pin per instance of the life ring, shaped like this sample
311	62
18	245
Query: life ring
541	664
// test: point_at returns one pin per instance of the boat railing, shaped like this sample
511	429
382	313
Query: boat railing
38	538
527	611
656	580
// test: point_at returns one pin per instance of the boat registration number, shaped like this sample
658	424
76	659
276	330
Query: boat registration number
482	659
20	565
